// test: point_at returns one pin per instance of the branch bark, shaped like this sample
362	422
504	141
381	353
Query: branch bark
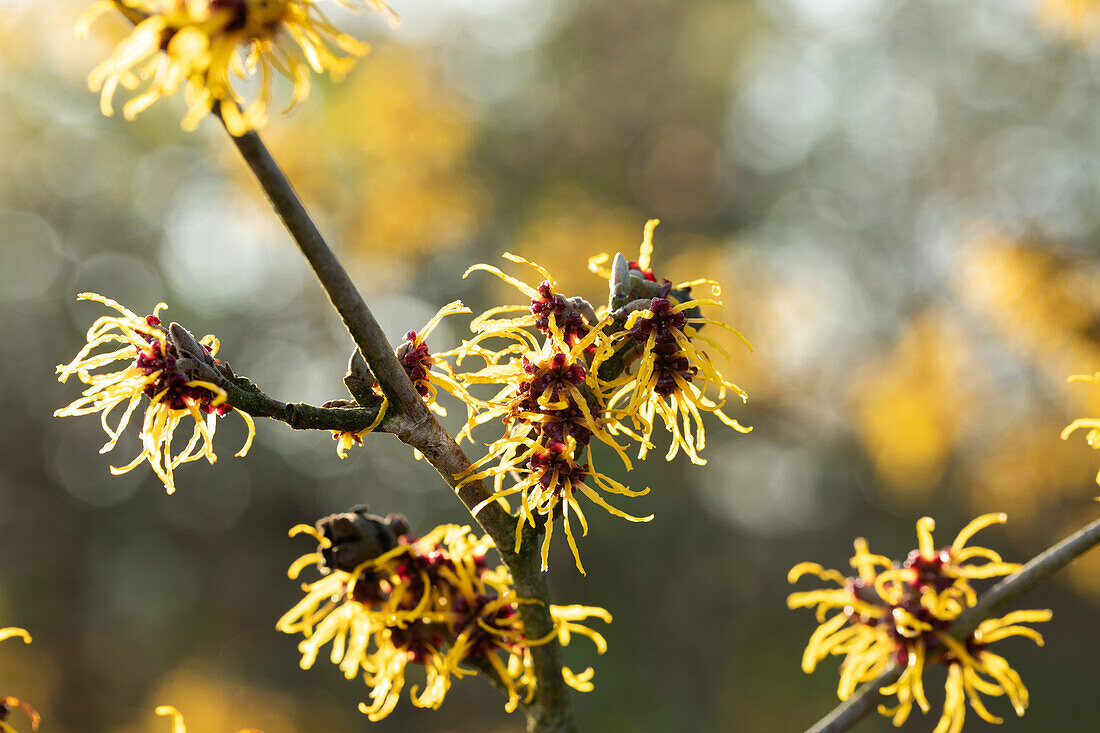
415	425
852	710
245	396
1035	571
1038	569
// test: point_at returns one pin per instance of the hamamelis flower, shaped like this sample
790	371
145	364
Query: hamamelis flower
551	404
345	439
389	600
551	414
861	630
1092	424
205	43
178	725
901	614
8	704
670	381
427	371
658	328
973	670
574	317
167	367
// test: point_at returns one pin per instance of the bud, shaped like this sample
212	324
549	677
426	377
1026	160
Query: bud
356	536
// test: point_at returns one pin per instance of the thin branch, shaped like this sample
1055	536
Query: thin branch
411	421
245	396
852	710
416	426
1039	568
345	297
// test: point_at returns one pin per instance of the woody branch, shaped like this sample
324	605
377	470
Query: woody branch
415	425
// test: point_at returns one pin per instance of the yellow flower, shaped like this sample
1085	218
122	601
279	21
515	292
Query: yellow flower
346	439
205	43
177	719
391	599
7	704
428	371
574	317
672	374
553	399
939	577
901	614
862	631
170	368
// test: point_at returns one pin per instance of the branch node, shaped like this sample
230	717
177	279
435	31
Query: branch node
360	381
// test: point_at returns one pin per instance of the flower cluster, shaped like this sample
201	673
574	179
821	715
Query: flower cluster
389	599
8	704
551	414
902	614
167	711
205	43
566	373
169	368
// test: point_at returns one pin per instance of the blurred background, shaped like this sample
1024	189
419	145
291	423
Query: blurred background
901	200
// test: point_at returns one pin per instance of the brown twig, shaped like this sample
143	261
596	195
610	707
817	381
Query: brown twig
852	710
1039	568
245	396
411	421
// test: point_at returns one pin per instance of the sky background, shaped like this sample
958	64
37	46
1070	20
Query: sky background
900	199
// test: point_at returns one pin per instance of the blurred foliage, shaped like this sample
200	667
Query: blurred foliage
899	199
394	173
913	405
1078	19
